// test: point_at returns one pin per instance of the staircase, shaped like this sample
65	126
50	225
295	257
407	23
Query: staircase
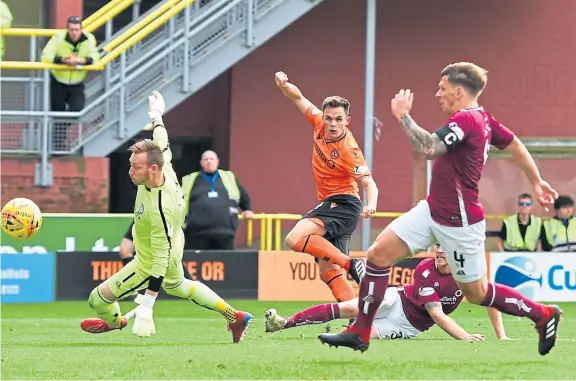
120	21
179	59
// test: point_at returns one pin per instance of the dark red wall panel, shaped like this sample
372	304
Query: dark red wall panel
527	46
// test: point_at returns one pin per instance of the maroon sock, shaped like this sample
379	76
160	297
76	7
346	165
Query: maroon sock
314	315
509	301
372	290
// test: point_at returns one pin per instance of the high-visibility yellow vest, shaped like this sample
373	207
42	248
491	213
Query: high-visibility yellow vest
561	238
5	23
514	239
59	46
228	180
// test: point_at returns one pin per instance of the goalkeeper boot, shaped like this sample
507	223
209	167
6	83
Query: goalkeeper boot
274	322
240	326
95	325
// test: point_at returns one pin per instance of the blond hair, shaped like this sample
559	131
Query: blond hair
153	151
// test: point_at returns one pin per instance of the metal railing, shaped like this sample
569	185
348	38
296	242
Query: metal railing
29	94
90	24
162	52
103	16
270	225
272	236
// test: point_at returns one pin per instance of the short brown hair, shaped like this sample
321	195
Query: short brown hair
468	75
154	153
336	101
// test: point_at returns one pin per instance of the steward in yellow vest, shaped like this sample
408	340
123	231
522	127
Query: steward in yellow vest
228	180
75	48
521	231
519	236
559	233
213	199
5	23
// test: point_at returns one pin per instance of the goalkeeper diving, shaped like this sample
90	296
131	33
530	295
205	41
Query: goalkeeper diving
159	243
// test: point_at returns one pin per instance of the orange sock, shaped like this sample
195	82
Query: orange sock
320	248
339	285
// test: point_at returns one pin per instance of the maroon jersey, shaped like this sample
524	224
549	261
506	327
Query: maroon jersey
453	196
429	285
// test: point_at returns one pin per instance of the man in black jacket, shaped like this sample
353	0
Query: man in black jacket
214	198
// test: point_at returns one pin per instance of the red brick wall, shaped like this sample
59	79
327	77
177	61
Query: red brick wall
62	9
206	113
81	185
525	44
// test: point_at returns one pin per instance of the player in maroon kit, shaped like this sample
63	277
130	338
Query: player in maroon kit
405	312
452	214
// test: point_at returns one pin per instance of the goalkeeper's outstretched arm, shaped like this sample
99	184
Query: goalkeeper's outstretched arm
156	108
160	136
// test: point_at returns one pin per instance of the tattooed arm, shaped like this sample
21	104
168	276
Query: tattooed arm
424	142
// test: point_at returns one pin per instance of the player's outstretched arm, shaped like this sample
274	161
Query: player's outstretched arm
542	190
292	92
448	324
524	160
156	108
497	323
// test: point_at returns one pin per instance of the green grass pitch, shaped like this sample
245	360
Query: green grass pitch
44	341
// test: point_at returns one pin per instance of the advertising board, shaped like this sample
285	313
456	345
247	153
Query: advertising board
86	232
27	278
291	276
546	277
231	274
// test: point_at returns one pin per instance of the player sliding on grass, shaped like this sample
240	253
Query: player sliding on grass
339	167
405	312
159	243
452	215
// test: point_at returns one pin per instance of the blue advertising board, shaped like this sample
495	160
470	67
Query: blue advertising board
544	277
27	278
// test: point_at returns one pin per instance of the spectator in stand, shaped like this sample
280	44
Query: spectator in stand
521	231
214	198
76	48
5	23
559	233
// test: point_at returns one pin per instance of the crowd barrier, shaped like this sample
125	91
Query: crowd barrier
262	275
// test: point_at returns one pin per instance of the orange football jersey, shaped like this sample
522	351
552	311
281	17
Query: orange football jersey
337	165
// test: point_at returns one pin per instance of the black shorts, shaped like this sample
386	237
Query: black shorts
128	234
340	215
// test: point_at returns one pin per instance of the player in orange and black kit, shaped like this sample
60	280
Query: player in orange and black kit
338	165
